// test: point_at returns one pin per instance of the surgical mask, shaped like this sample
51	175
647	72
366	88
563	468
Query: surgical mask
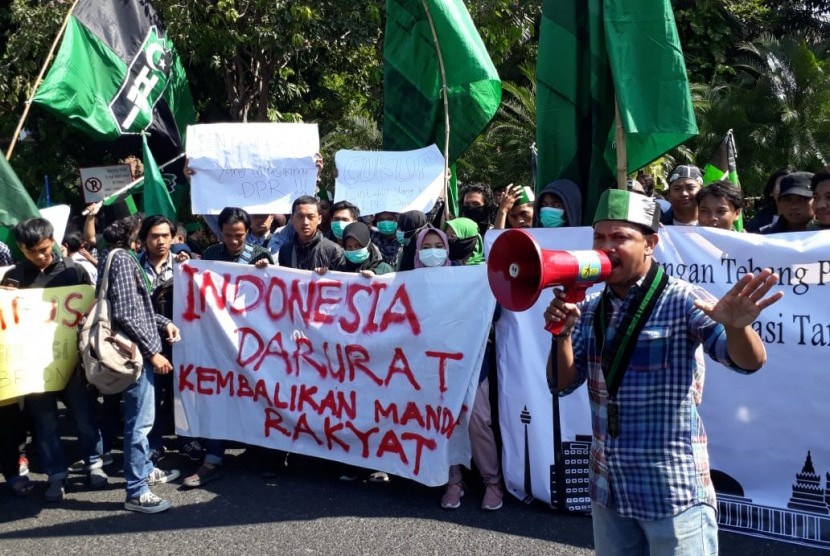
402	240
358	255
432	257
387	227
337	227
552	217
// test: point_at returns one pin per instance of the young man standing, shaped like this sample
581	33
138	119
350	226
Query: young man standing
639	345
43	268
235	225
132	312
309	250
684	183
795	204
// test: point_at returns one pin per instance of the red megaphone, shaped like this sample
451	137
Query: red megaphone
518	270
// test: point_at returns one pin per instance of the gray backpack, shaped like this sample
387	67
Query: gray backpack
112	361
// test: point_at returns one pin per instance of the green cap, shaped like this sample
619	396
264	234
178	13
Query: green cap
193	226
527	196
619	204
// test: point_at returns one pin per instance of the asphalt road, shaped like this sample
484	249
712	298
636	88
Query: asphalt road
304	510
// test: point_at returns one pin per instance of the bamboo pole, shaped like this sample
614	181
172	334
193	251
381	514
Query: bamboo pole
446	111
38	80
619	139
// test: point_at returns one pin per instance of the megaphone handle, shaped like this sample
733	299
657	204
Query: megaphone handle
572	295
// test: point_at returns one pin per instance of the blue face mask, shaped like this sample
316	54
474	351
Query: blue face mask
387	227
552	217
358	255
402	240
337	227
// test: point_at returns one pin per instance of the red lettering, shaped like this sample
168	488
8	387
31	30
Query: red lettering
412	413
273	420
243	389
243	334
442	365
276	283
363	436
357	356
204	378
53	310
16	310
340	373
219	293
295	301
224	381
305	345
331	438
278	352
277	402
189	314
67	305
248	305
407	314
184	374
304	428
318	314
351	326
391	411
420	443
377	289
306	397
400	365
391	444
261	391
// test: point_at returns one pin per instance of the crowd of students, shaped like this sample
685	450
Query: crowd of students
317	236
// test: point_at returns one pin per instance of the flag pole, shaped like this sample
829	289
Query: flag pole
619	139
446	111
38	80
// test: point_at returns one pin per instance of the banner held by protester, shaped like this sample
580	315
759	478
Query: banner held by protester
398	181
260	167
52	316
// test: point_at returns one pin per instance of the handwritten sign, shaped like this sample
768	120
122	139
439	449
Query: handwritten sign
377	181
260	167
99	182
38	337
375	373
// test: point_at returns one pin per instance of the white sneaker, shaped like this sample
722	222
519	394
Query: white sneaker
159	476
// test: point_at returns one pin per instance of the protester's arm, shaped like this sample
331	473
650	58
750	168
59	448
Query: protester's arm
89	223
737	310
557	311
507	198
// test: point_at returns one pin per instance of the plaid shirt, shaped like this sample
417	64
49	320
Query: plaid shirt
658	466
164	273
131	309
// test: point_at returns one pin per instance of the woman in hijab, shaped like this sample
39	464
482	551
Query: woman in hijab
410	224
466	246
361	254
432	249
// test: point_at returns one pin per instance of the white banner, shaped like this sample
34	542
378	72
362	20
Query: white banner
377	181
761	427
260	167
377	373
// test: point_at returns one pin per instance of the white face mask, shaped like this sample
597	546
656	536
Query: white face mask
432	257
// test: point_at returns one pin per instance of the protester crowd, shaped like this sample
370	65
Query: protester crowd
317	236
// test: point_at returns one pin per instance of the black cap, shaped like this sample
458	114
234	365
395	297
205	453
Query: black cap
797	183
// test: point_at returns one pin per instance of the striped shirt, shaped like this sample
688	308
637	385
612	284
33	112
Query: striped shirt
658	465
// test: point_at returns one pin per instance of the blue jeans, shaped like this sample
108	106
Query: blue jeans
690	533
214	450
43	409
139	414
164	410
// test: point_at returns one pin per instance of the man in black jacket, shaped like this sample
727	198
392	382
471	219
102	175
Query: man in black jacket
43	267
309	250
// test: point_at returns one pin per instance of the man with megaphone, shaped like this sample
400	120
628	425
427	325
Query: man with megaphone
639	344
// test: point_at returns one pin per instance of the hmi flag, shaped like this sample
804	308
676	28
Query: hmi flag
117	73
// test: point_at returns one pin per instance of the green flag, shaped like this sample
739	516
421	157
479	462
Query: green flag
723	165
156	195
117	73
15	202
413	113
591	53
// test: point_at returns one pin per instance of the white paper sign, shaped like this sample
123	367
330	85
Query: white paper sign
377	181
376	373
99	182
260	167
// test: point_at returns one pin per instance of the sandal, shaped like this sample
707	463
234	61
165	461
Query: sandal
203	476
